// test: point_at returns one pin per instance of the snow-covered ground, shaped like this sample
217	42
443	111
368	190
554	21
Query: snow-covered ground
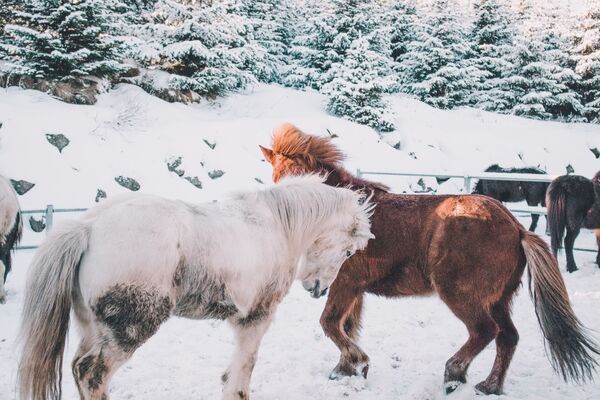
132	134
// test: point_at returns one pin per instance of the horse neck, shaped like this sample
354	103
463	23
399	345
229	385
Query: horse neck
338	176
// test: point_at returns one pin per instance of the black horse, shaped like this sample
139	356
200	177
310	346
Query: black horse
512	191
573	203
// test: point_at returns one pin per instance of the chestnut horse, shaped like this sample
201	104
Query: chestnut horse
468	249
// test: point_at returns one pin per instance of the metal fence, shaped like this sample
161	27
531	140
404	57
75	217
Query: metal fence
468	179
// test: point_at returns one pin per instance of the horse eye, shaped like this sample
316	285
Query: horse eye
348	253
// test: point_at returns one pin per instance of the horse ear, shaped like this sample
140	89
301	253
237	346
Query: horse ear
268	153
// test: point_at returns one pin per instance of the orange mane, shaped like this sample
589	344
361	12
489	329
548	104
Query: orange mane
291	141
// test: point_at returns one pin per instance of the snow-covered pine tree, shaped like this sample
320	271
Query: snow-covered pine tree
543	81
432	67
586	54
326	38
62	40
403	20
205	48
271	23
357	84
491	39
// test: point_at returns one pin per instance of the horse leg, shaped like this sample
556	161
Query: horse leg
2	291
340	305
534	217
482	330
353	322
506	344
94	364
598	242
119	322
248	335
569	243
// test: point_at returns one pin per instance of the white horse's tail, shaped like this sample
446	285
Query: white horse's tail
48	297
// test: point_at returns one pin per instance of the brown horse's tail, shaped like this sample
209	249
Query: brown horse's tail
557	214
571	349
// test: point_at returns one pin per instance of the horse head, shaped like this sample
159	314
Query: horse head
347	232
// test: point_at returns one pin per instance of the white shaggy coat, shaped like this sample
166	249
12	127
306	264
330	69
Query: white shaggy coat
146	255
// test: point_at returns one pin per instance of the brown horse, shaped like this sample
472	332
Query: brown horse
573	203
468	249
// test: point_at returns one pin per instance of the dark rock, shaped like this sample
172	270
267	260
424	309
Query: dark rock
594	150
194	181
100	194
128	183
259	180
59	141
217	173
570	169
441	180
397	146
22	187
172	166
210	144
37	225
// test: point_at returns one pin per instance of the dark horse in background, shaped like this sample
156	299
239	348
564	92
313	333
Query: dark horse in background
534	193
573	203
469	250
10	229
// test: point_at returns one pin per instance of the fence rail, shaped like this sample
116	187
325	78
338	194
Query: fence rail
49	211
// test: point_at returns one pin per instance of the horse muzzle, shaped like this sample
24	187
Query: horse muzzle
314	288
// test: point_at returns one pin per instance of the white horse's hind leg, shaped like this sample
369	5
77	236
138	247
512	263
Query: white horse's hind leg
2	291
119	322
248	335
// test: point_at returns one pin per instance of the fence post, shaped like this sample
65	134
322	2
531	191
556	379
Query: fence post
358	173
467	186
49	217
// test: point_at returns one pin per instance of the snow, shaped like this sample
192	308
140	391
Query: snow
131	133
408	340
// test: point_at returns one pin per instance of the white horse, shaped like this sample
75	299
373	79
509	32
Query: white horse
11	228
129	264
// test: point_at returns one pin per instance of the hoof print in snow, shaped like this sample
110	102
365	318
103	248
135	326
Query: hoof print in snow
174	165
212	145
100	194
259	181
128	183
412	155
59	141
37	225
594	150
22	187
570	169
194	181
217	173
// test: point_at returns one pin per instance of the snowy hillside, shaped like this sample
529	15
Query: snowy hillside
132	134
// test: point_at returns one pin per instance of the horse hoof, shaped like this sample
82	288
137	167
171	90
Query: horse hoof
342	371
484	389
451	386
572	269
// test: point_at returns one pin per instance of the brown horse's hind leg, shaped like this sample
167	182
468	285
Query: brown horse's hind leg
506	344
342	304
482	330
